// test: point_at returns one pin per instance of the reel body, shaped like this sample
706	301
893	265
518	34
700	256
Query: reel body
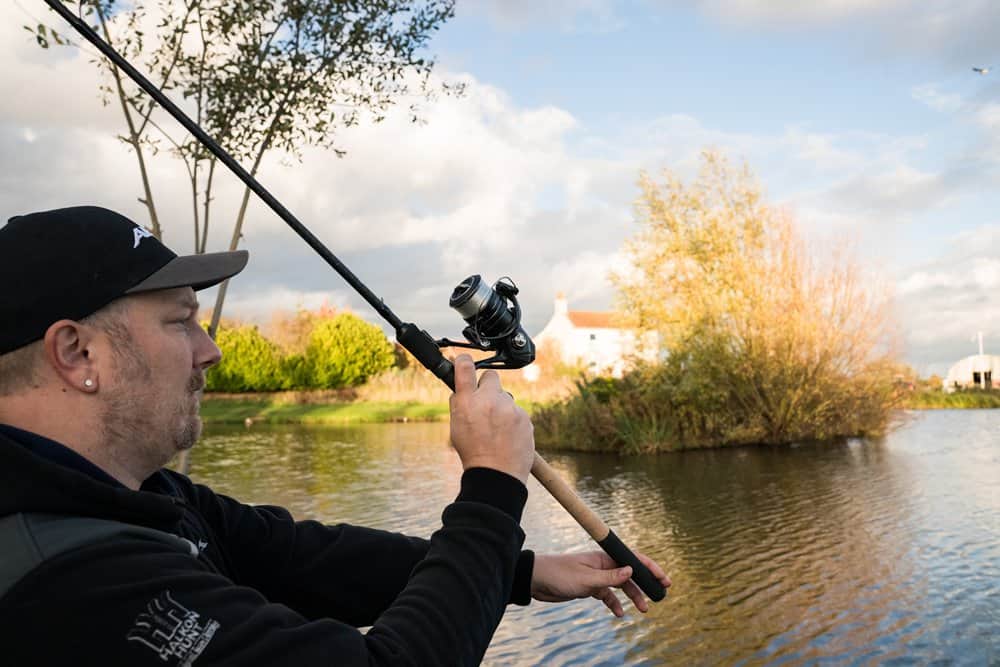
493	316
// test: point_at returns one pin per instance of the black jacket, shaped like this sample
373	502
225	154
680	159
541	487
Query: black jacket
247	585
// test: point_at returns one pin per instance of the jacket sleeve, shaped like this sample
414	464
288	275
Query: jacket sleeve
302	564
139	602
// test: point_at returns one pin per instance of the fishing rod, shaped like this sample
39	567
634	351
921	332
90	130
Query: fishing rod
492	314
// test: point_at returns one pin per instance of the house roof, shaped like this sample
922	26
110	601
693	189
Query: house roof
588	319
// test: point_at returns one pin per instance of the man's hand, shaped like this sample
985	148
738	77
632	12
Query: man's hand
558	578
488	430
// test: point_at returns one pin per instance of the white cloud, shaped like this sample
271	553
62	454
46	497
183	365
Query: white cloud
260	306
484	186
947	301
981	273
584	276
823	151
795	12
929	95
587	16
988	117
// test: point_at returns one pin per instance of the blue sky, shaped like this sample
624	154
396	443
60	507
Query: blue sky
889	84
863	119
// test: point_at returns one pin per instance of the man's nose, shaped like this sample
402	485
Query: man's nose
207	353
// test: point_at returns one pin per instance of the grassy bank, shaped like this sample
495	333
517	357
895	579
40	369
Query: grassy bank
263	408
937	399
407	394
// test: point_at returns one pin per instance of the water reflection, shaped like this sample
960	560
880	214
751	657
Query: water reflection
857	553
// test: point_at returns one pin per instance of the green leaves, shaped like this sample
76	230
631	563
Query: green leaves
43	34
342	350
345	351
267	74
250	362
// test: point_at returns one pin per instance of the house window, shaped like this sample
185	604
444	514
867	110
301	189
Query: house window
976	378
989	379
593	336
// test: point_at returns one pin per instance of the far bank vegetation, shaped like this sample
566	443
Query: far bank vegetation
311	350
330	356
763	341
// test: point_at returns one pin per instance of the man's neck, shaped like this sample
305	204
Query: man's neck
56	452
72	425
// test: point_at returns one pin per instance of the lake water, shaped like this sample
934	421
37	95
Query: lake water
858	553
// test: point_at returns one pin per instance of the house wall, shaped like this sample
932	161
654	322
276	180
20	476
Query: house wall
600	349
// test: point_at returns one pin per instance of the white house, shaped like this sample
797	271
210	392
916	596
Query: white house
591	339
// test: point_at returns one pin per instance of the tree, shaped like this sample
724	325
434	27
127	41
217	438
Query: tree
261	75
754	325
345	351
250	362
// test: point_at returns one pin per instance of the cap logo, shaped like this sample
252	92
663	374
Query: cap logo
139	234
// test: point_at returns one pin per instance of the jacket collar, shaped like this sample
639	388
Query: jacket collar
40	475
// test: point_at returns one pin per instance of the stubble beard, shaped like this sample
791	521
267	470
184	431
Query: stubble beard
139	425
190	422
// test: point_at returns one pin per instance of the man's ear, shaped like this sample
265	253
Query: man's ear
69	349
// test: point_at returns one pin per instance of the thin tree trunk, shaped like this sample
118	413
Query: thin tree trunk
154	220
238	228
207	206
234	242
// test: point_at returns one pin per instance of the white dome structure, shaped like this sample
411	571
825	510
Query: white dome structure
979	371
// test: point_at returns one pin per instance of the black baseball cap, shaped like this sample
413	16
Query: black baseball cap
70	262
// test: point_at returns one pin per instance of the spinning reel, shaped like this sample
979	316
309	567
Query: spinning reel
493	316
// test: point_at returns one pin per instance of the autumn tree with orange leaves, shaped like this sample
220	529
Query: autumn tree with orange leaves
764	341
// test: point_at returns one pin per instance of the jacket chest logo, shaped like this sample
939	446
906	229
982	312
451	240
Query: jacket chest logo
177	634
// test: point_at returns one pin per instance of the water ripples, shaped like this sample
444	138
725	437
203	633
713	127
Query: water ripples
859	553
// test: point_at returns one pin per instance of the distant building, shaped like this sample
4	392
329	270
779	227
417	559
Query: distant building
974	372
979	371
592	340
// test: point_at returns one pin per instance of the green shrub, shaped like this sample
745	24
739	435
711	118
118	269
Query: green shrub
682	404
344	351
250	362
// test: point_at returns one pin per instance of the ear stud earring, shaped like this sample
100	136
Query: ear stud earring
88	383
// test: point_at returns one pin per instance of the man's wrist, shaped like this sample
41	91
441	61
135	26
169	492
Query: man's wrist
496	488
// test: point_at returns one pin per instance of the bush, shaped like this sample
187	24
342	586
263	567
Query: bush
250	362
766	345
344	351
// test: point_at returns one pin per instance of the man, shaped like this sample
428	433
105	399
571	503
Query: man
107	558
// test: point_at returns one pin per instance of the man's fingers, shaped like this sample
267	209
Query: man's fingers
654	569
611	601
490	380
465	374
636	596
615	577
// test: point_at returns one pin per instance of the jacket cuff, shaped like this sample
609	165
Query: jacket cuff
520	592
492	487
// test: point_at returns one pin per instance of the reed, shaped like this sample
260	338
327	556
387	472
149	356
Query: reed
967	399
415	384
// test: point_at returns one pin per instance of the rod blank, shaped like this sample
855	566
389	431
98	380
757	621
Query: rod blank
415	340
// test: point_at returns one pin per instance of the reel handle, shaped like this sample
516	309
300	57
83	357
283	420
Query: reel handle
422	346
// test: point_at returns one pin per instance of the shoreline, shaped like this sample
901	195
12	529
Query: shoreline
328	409
265	410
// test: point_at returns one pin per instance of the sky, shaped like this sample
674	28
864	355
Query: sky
861	118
